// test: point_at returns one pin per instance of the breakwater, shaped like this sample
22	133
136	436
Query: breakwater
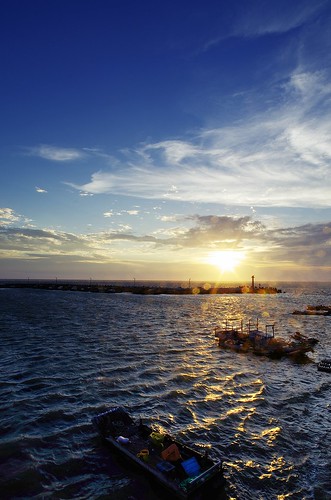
140	289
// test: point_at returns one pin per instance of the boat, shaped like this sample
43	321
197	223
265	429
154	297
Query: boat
232	335
320	310
324	365
180	469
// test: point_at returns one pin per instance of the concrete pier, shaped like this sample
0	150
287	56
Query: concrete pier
135	289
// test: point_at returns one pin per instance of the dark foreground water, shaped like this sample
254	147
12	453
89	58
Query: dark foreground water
65	356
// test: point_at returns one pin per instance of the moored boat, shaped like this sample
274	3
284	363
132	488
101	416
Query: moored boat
183	471
232	335
320	310
324	365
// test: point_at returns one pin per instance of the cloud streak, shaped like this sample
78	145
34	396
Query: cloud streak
57	154
267	18
274	18
281	158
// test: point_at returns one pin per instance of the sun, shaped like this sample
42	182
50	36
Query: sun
225	260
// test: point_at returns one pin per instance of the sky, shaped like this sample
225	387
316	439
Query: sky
178	140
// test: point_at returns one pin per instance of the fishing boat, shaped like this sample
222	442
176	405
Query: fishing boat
320	310
183	471
324	365
232	335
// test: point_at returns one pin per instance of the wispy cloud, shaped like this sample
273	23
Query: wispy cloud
275	17
262	18
84	194
55	153
281	158
9	217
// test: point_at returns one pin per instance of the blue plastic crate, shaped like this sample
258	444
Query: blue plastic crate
191	467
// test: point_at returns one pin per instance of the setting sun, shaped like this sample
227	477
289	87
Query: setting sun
225	260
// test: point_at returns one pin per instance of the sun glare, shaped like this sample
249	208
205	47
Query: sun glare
225	260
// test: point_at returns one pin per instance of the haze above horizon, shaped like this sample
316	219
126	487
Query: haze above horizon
163	141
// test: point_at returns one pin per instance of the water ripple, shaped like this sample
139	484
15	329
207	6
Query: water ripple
66	356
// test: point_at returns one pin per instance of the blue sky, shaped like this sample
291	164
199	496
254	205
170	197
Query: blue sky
165	140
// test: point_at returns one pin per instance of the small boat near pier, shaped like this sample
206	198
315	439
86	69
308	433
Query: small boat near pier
232	335
324	365
320	310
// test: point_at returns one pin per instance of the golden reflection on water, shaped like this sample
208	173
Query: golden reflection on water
251	397
215	396
277	464
271	433
242	424
234	411
252	464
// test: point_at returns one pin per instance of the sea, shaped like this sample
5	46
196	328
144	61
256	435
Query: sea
66	356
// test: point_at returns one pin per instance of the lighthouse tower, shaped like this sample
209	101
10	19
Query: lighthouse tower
253	284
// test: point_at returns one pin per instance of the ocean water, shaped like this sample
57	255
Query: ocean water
66	356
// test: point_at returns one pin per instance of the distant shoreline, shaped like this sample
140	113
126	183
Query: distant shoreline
138	289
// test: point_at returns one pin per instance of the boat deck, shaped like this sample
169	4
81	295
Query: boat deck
178	467
142	446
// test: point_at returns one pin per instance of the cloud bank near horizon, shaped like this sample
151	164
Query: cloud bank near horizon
305	245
